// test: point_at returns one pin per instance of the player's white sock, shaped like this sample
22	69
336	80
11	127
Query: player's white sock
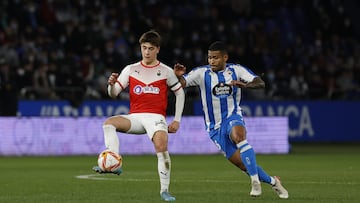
272	182
254	178
164	168
111	138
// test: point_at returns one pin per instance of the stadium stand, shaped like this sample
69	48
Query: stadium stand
62	49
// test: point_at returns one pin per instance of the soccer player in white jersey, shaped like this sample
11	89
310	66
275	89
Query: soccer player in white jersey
148	82
220	85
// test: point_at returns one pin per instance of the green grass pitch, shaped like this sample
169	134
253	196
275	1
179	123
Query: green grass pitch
311	173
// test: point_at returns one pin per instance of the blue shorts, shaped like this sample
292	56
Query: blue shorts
221	136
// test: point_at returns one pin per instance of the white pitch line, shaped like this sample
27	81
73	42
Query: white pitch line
115	178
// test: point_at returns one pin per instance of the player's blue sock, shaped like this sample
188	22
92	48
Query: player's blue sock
248	157
263	176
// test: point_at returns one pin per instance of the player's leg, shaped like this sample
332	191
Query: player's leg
124	123
263	176
274	181
236	127
156	128
110	127
160	140
236	160
247	154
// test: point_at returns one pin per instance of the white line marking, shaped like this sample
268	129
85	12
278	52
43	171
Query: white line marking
113	177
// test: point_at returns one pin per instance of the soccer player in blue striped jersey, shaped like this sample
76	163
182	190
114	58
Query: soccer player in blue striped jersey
220	85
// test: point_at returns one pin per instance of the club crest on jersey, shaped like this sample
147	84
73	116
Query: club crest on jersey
222	90
138	89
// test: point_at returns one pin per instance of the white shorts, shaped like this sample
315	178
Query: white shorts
148	123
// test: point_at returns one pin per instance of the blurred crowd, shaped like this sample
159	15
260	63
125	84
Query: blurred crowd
66	49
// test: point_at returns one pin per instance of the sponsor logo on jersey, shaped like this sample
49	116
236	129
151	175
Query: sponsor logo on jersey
138	89
222	90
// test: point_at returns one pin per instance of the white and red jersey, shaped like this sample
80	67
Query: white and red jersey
148	86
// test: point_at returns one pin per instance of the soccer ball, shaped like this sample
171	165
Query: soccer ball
109	161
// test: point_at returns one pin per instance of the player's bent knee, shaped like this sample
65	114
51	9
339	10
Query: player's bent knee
160	147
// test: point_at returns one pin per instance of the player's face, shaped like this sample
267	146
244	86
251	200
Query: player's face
217	60
149	53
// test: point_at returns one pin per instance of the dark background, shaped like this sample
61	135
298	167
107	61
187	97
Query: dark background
65	50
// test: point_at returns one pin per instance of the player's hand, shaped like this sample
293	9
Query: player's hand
173	127
238	84
179	70
112	79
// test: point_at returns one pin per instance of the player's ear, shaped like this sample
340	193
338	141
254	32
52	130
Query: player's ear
226	57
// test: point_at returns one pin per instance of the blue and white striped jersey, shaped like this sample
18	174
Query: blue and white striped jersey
219	99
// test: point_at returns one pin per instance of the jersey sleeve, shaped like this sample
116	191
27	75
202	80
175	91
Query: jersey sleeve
193	78
244	74
123	78
173	81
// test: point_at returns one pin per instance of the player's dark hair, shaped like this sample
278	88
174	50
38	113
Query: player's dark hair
152	37
218	46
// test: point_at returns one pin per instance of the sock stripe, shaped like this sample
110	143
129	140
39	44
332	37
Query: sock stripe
242	143
245	148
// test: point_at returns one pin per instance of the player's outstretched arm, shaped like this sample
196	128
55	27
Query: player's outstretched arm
114	88
179	71
173	127
179	108
257	83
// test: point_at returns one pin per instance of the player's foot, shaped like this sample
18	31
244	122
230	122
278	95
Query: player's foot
98	170
255	189
167	197
279	189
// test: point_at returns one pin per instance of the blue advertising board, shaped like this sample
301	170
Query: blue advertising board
309	121
64	108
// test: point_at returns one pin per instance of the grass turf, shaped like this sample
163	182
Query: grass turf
311	173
